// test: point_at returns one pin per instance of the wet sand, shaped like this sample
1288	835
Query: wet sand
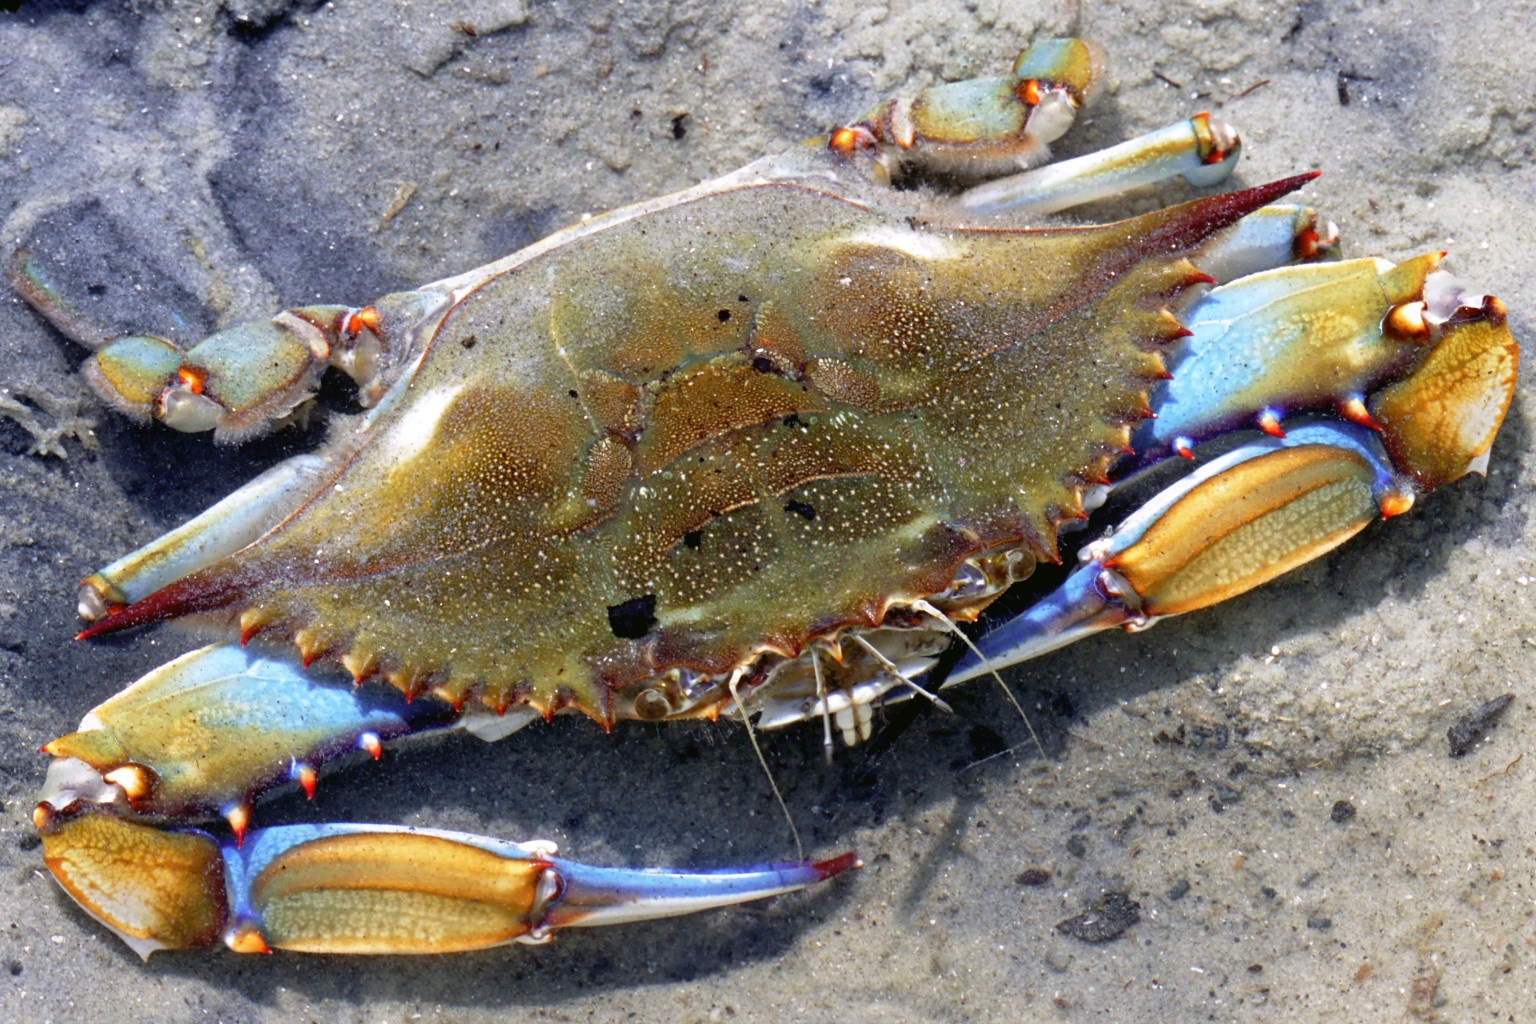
203	163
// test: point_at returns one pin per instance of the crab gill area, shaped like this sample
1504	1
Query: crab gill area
725	428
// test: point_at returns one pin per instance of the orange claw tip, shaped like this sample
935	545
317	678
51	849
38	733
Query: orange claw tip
369	741
1395	503
1406	321
193	378
239	818
1270	423
1184	446
306	775
134	780
1353	409
246	938
367	317
1029	91
842	141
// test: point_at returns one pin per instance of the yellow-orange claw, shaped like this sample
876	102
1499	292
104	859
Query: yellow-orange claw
156	889
393	893
1439	422
1244	527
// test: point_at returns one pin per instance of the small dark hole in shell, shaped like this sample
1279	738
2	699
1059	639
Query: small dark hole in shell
800	508
634	618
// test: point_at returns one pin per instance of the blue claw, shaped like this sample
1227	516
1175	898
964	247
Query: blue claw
1200	541
597	896
388	889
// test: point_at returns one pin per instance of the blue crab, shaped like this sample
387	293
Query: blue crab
755	449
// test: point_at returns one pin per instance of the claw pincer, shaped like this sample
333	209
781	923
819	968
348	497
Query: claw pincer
754	450
367	888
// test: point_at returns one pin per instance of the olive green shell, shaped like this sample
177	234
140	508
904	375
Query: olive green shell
724	429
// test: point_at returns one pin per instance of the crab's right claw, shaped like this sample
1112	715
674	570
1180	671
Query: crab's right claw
366	888
1269	506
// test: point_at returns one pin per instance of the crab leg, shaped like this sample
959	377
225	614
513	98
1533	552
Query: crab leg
368	888
1268	238
1326	337
1426	372
983	127
242	381
978	126
214	730
221	530
1202	150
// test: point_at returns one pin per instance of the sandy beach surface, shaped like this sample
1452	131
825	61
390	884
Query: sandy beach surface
187	165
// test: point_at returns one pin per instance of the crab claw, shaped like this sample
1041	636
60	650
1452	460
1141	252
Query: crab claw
388	889
591	896
1235	523
1439	422
366	888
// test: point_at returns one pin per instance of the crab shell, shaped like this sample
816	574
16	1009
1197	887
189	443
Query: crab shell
656	455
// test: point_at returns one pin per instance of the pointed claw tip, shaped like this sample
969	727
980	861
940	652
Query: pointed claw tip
369	741
1269	422
1395	504
307	777
836	865
246	938
1353	409
134	780
239	818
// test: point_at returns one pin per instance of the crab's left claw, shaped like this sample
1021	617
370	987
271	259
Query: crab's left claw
211	732
1237	522
366	888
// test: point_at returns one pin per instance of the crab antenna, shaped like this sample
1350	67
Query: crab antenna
890	666
772	783
950	625
821	702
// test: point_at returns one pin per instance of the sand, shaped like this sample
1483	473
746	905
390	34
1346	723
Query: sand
196	164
